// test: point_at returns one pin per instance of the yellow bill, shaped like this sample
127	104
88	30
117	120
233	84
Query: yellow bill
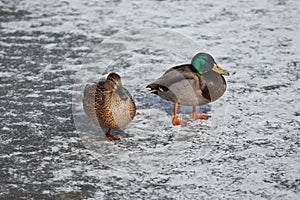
219	70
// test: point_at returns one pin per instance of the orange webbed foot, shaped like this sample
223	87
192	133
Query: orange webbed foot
176	121
111	137
200	116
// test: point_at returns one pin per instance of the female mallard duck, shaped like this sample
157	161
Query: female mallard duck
108	104
192	84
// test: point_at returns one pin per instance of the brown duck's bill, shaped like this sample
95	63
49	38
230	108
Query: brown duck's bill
219	70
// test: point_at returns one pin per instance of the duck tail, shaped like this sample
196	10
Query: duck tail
152	90
155	88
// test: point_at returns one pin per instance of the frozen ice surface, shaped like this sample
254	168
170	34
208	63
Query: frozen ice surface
249	149
150	143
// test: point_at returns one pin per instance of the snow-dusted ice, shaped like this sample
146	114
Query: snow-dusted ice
49	50
140	56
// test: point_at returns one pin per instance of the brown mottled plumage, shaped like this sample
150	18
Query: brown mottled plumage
108	104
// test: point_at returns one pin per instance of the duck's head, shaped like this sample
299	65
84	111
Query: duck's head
203	62
113	82
114	78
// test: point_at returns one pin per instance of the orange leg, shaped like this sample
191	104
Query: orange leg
111	137
199	116
176	120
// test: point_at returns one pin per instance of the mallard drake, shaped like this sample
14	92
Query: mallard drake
192	84
108	104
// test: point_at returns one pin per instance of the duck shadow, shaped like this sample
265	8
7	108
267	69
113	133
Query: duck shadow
118	132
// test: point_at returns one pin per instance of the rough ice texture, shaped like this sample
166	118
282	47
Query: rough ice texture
49	149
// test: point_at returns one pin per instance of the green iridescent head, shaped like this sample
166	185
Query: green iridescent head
203	62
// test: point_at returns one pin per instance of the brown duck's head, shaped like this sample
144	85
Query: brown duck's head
113	83
114	77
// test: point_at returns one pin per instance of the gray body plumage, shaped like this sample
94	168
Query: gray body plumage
182	85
